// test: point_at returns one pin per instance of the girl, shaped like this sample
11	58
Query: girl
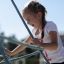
45	33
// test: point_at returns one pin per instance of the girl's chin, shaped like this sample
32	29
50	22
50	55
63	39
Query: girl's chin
33	25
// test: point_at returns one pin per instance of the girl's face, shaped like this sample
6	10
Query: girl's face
33	19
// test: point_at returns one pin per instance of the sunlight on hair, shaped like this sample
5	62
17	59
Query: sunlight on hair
28	2
34	0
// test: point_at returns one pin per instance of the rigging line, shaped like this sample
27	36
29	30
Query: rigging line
27	27
22	19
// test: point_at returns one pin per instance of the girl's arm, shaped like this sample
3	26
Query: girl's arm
50	46
19	48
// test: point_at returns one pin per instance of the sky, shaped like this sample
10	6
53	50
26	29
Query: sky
11	24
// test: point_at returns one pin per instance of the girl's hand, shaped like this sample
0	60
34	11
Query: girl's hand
8	52
37	41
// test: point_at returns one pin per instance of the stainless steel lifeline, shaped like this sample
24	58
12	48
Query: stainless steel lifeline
2	51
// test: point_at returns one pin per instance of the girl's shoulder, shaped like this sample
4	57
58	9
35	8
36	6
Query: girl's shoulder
50	23
50	26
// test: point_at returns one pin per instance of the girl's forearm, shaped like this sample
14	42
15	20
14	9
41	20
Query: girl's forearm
18	49
49	46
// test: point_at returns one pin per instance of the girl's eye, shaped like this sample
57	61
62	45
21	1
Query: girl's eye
28	22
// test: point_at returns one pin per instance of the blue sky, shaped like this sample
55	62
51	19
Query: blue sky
10	22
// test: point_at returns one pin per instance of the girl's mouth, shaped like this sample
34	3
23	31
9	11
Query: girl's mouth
32	24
